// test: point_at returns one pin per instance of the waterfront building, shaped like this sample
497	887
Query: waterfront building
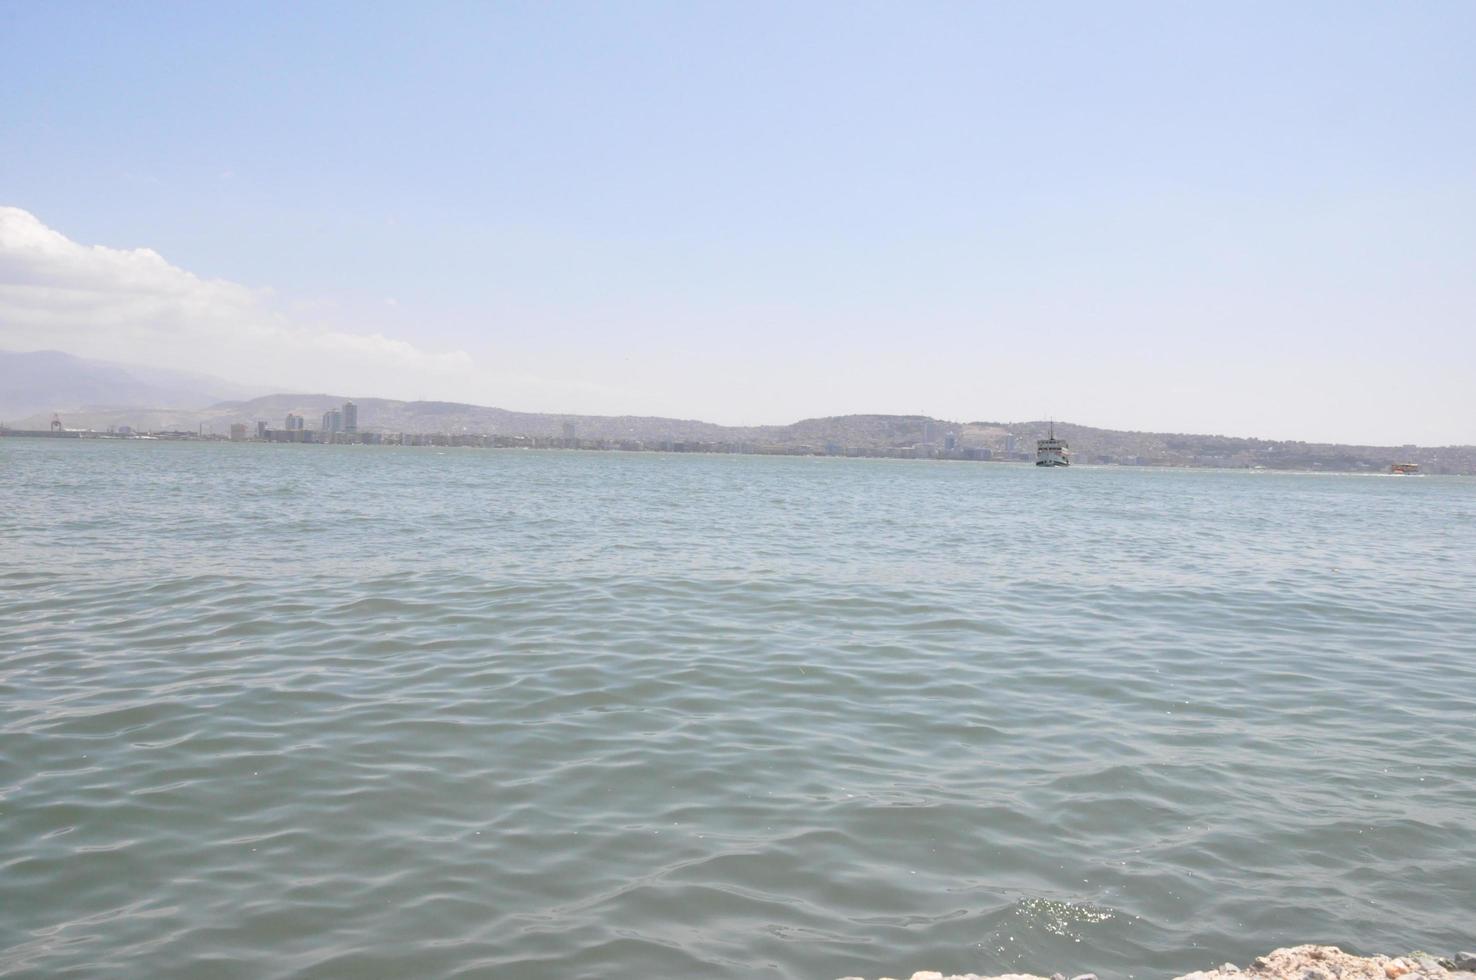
294	422
238	432
261	429
350	418
332	421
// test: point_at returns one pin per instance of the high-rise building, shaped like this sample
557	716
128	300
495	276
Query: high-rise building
294	422
350	417
332	421
261	429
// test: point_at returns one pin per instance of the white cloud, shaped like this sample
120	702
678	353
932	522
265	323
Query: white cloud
133	305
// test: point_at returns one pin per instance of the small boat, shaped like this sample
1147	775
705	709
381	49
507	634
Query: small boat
1052	451
1405	469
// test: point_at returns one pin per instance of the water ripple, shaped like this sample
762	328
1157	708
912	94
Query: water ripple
322	713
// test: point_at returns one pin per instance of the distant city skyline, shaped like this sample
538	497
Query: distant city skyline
1252	220
443	424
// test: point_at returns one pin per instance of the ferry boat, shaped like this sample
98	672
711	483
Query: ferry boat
1405	469
1052	451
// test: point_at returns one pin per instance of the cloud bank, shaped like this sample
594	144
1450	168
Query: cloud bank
132	305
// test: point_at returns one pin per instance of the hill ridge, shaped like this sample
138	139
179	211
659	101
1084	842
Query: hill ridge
849	434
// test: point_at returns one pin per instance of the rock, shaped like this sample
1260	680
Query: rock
1306	962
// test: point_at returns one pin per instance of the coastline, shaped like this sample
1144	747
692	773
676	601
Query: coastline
1310	962
440	443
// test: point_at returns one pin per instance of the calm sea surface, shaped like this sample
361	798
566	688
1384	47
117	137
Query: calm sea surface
280	711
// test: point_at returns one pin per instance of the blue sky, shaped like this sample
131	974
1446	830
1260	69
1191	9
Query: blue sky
1256	219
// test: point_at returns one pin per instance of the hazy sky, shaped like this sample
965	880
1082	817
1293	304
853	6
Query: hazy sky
1256	219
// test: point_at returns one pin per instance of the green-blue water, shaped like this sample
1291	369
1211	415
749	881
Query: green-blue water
275	711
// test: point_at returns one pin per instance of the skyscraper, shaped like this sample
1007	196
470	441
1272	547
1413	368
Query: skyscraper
332	421
294	422
350	417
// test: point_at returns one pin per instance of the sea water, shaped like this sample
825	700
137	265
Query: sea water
281	711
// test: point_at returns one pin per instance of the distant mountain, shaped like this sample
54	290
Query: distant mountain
41	382
452	418
904	435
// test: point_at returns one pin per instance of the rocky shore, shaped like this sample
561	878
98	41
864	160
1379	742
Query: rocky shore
1292	963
